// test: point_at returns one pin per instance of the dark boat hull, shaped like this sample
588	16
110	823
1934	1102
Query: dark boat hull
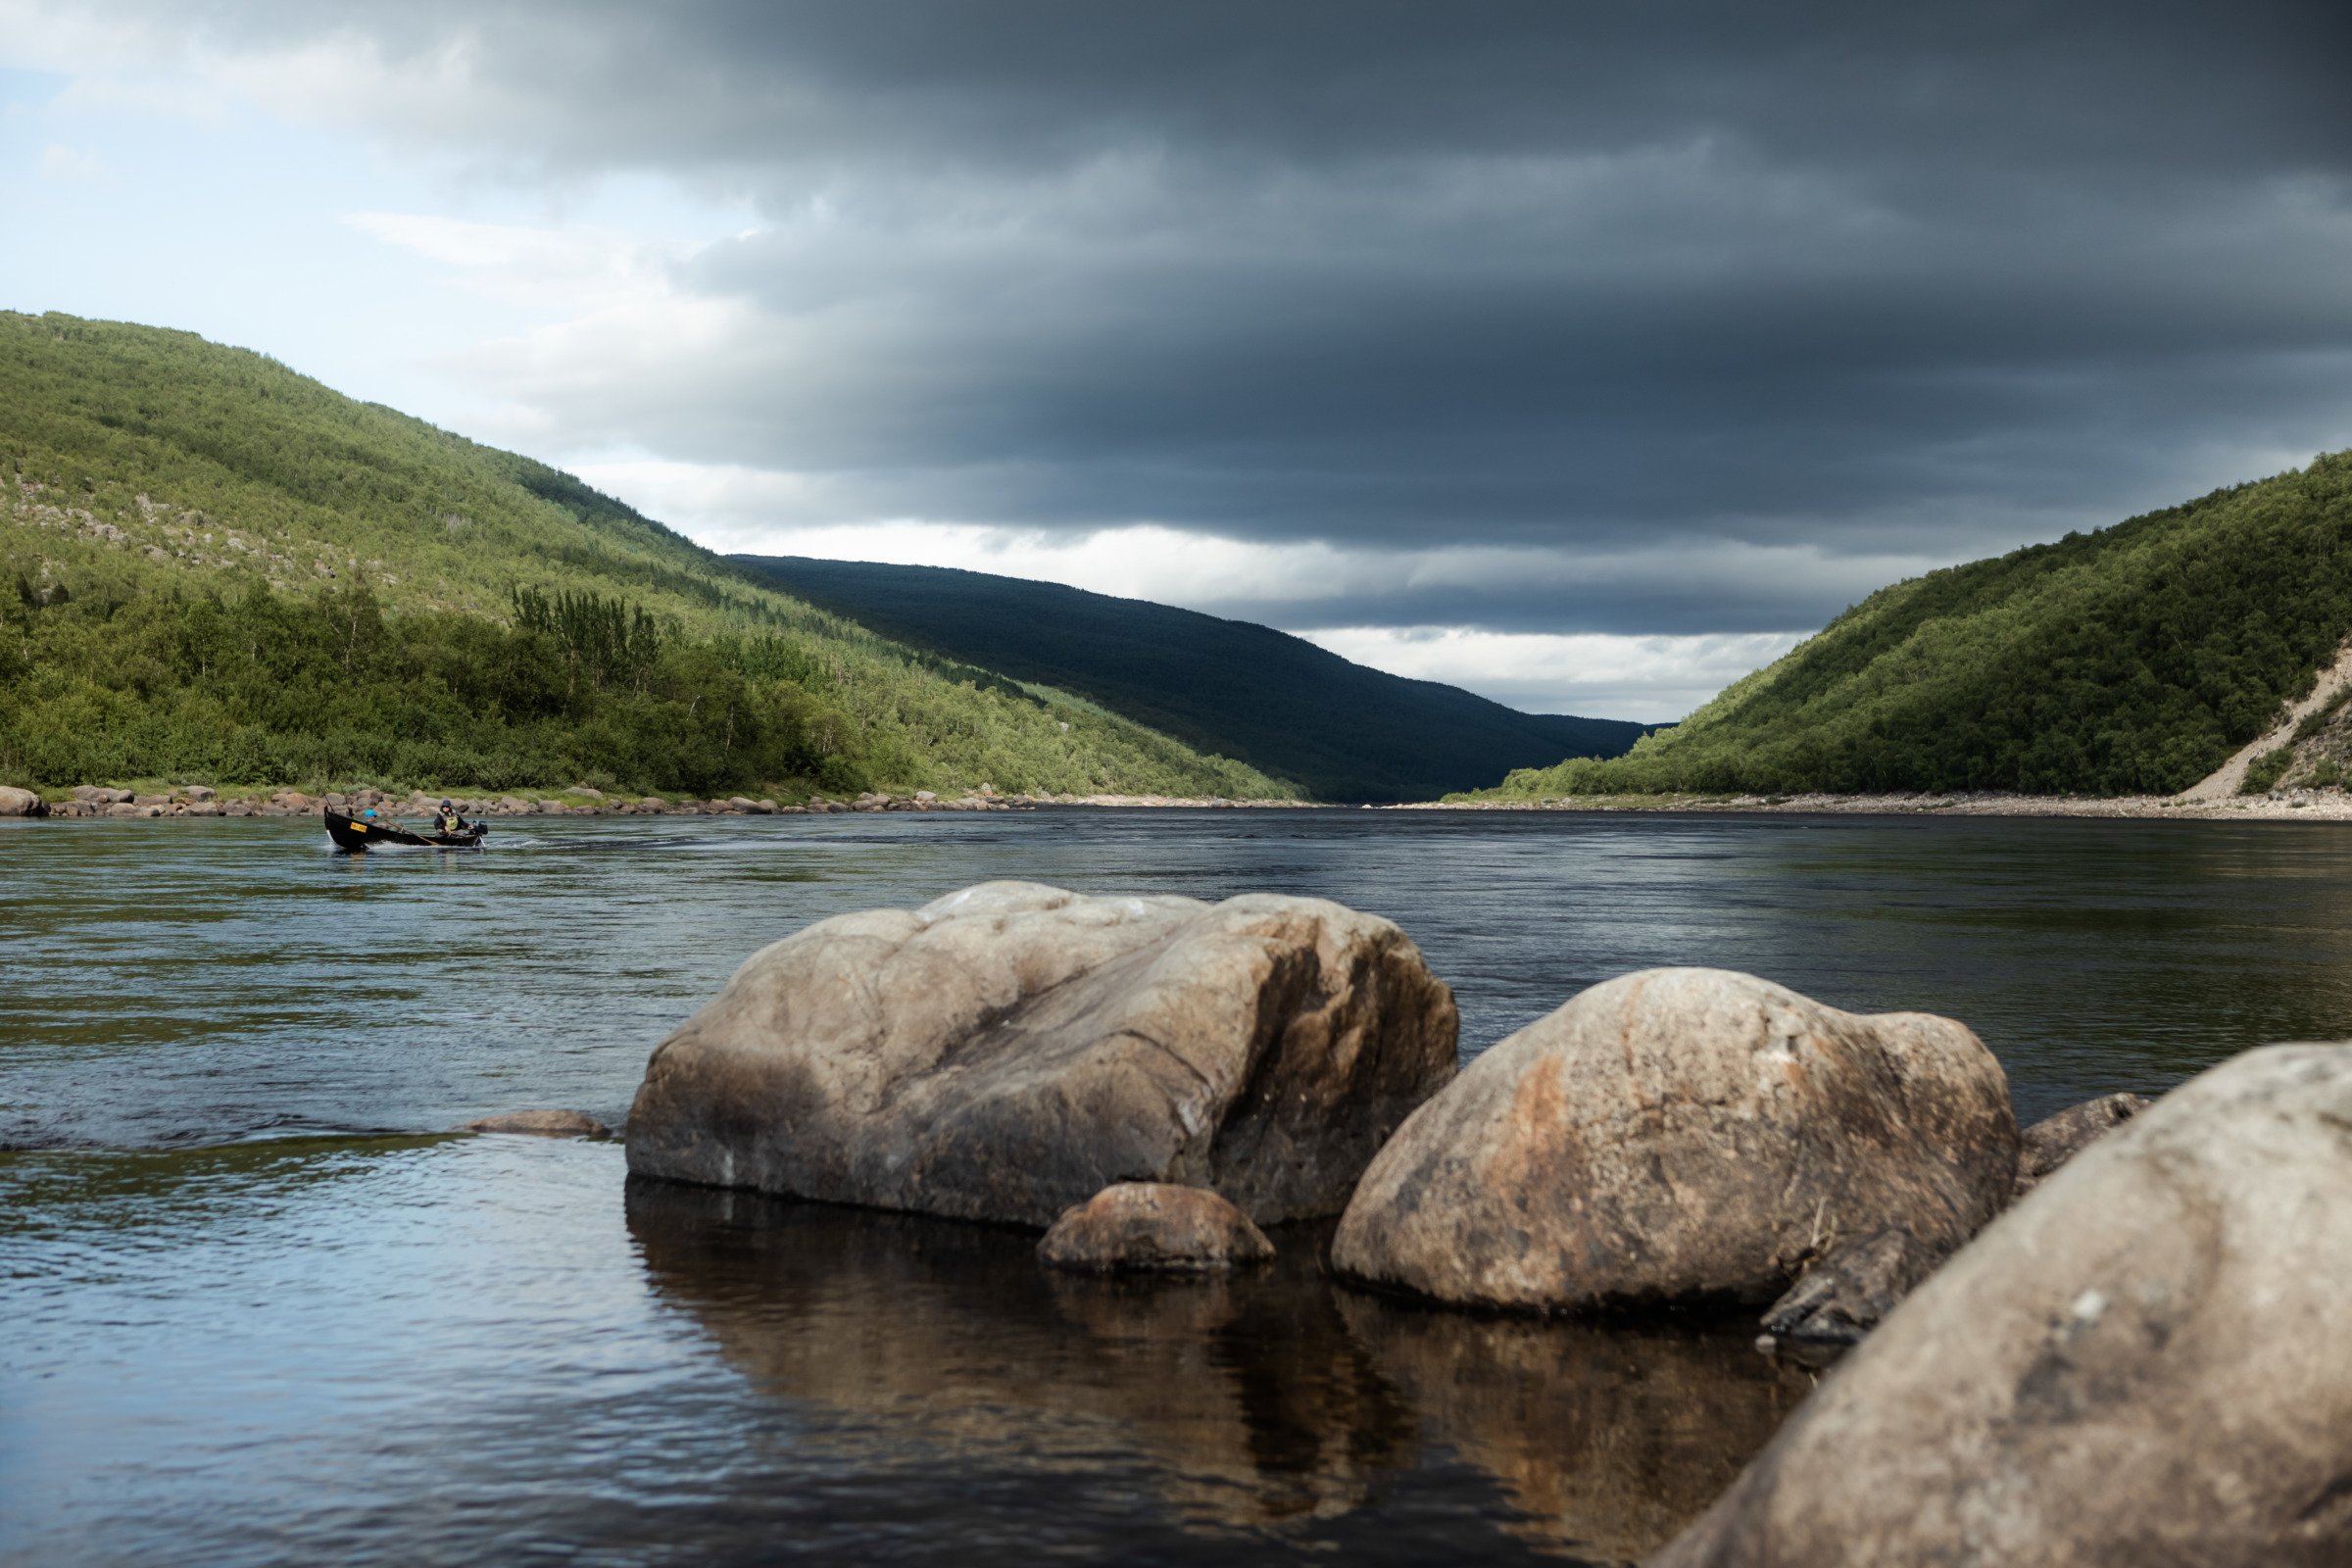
357	836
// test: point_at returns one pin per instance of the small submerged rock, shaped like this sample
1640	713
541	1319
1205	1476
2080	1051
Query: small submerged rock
1852	1288
2054	1139
1152	1226
1679	1136
542	1124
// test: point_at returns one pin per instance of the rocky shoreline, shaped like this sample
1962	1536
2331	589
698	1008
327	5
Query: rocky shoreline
2109	1339
2296	805
199	800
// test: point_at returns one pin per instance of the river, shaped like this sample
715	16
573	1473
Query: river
263	1308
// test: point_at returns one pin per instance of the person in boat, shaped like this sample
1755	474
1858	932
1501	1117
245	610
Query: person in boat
447	821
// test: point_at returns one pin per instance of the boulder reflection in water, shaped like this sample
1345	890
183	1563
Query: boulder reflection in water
1611	1438
1255	1399
1249	1394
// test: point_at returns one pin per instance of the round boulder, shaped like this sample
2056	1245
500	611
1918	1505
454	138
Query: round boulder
1007	1052
15	802
1152	1226
1680	1135
2143	1362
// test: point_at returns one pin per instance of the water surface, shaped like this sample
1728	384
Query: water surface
263	1309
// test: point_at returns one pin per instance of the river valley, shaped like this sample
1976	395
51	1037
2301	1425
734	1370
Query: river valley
265	1308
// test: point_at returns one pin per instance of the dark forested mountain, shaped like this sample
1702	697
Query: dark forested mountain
213	569
1279	703
2132	660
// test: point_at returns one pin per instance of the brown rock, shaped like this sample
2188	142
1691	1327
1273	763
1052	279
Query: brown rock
1149	1226
15	802
542	1124
2141	1363
1009	1051
2054	1139
1855	1284
1680	1135
198	792
101	795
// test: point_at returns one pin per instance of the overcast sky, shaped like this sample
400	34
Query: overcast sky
1584	355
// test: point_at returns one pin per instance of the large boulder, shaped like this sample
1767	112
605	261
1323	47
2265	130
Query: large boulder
15	802
1008	1050
1153	1228
2141	1363
1680	1135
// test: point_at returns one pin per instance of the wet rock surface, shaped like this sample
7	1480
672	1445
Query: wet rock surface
1683	1136
1852	1288
1006	1052
2141	1363
2054	1139
1151	1227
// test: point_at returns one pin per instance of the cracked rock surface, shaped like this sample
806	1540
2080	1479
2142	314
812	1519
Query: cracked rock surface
2143	1362
1007	1052
1679	1136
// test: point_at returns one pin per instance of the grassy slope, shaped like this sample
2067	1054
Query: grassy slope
2134	658
1280	703
145	474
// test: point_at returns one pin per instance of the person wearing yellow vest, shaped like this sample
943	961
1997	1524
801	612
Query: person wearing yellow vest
449	821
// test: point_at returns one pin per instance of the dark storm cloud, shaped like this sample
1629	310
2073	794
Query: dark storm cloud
1882	280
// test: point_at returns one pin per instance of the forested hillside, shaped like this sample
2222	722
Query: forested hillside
2132	660
213	569
1341	731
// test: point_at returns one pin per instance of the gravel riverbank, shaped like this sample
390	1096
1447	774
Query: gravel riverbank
2302	804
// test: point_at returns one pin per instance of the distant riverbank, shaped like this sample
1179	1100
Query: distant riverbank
200	800
160	800
2280	805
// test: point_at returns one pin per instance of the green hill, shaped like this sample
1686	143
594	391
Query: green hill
2132	660
213	569
1339	731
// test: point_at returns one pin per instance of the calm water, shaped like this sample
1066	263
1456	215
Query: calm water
260	1308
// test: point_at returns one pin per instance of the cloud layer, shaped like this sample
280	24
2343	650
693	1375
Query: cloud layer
1678	321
